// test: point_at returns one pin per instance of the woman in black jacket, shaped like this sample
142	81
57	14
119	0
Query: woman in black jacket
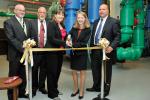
80	34
56	34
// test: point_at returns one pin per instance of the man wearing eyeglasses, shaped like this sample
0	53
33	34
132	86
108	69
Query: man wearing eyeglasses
39	33
17	30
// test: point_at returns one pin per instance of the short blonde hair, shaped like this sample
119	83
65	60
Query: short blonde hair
87	23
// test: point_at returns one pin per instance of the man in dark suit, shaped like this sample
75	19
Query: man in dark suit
104	27
17	30
39	72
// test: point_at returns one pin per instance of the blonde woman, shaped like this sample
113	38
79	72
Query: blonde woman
80	34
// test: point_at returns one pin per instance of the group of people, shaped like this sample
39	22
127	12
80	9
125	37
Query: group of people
52	34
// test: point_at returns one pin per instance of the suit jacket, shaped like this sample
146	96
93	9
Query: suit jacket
81	40
34	30
54	38
15	35
111	31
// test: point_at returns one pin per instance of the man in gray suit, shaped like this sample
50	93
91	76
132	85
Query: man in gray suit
17	30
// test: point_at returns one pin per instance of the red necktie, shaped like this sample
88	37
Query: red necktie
41	43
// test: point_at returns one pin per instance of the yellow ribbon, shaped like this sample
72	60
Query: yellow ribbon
28	52
27	56
104	43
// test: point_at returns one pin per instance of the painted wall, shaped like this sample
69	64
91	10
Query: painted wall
115	8
3	7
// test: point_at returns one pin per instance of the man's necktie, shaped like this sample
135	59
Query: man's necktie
23	25
98	32
42	31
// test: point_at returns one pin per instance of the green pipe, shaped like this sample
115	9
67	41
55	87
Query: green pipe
30	16
135	51
139	4
126	34
138	38
7	14
128	53
130	2
126	22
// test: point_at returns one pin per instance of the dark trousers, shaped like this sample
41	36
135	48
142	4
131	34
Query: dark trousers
96	63
39	71
16	68
54	65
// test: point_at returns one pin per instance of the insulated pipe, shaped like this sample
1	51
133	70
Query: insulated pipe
6	14
71	7
147	22
126	20
128	53
93	10
134	52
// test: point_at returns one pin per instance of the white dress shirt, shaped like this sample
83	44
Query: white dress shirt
103	23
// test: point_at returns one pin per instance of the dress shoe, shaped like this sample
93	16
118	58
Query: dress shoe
81	97
43	91
106	93
23	96
92	90
99	96
74	94
33	93
96	98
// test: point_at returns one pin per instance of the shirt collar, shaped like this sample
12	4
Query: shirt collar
40	21
18	18
104	19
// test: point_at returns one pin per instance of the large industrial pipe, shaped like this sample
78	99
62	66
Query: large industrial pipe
134	52
147	22
126	20
93	9
7	14
71	7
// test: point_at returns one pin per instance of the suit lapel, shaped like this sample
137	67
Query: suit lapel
27	28
36	26
96	25
18	25
105	25
58	29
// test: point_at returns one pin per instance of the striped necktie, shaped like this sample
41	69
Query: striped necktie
98	32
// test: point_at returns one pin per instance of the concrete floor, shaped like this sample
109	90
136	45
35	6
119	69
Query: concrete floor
130	81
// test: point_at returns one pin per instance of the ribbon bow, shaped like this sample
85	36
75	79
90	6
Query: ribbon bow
104	43
27	58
